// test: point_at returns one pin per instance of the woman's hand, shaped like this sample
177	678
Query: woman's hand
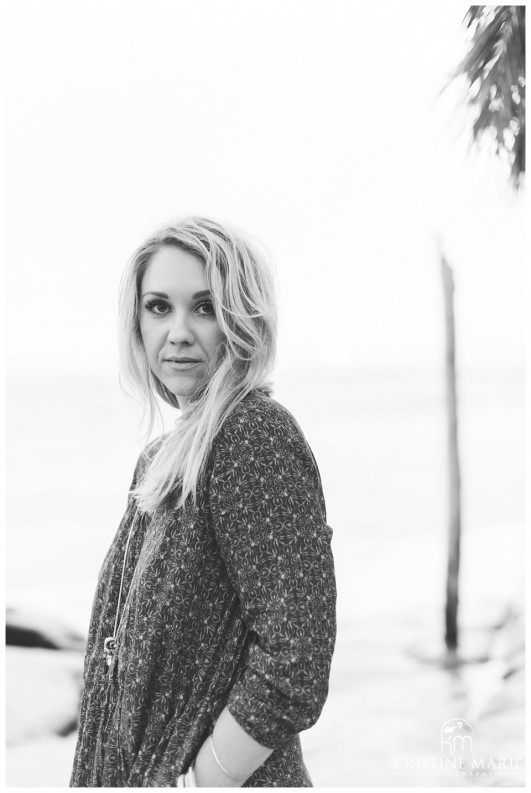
229	756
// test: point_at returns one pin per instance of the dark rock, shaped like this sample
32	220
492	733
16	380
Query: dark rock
28	630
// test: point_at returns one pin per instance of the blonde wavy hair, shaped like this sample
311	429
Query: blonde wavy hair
240	279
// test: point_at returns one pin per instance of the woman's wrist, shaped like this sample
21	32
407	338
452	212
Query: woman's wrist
240	779
229	756
209	772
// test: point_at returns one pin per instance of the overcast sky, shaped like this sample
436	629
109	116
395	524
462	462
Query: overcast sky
314	125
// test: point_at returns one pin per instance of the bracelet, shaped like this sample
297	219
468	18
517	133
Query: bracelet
216	758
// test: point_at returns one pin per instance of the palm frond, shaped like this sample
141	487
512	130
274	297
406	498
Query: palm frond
494	68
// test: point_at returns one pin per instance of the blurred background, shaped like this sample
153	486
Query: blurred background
332	131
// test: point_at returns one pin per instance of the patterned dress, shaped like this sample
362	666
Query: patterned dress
228	603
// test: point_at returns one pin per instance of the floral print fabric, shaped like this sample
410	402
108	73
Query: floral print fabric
228	603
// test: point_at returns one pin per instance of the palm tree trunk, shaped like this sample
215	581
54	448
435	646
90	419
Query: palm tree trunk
454	534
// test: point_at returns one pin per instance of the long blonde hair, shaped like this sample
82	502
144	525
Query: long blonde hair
239	277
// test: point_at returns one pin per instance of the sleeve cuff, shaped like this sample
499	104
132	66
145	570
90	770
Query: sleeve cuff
257	709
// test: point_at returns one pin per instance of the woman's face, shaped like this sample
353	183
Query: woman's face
179	329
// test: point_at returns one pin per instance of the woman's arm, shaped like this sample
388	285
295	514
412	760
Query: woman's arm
235	752
269	518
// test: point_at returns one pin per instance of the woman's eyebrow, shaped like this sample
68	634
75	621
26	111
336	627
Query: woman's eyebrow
203	293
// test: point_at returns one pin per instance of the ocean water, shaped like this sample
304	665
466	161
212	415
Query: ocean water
380	442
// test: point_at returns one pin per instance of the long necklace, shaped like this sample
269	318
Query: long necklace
109	644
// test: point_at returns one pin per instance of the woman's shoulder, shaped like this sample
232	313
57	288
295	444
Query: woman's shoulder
261	437
261	422
258	413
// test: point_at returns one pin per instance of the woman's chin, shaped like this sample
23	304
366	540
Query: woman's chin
181	384
184	391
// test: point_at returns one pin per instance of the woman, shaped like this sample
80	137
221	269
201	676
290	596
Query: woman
213	623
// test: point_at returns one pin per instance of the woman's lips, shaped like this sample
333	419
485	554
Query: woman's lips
179	365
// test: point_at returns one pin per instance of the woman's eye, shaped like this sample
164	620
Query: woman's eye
156	307
206	308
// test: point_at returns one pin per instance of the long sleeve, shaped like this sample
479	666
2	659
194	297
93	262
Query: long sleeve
269	518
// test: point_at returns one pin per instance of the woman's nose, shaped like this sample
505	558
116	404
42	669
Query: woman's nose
180	331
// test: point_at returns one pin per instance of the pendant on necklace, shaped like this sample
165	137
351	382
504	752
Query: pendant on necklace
109	647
